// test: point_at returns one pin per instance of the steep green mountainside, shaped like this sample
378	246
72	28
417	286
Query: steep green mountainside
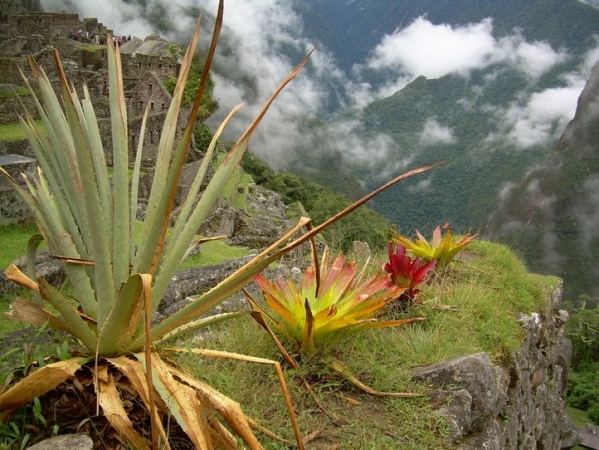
464	190
320	203
550	215
480	159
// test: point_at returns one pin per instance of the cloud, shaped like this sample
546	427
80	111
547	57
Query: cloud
421	186
436	50
533	59
542	116
130	18
434	133
590	59
424	48
587	212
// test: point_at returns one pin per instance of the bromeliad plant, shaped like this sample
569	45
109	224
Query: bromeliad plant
441	249
333	300
328	304
406	272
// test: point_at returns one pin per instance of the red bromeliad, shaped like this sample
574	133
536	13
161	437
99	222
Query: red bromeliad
405	271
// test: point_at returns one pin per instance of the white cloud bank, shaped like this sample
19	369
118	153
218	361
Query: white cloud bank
436	50
434	133
544	116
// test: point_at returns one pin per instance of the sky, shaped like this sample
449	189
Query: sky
419	48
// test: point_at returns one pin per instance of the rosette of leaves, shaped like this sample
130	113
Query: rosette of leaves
442	249
89	223
406	272
333	299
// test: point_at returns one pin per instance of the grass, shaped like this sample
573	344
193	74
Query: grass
8	326
20	91
214	252
580	419
578	416
14	242
486	289
92	47
337	413
14	132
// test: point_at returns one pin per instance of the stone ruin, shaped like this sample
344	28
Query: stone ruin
147	64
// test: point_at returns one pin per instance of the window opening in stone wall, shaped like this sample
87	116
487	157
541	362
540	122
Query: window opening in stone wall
152	106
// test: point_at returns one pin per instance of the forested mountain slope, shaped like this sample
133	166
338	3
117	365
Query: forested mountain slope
490	123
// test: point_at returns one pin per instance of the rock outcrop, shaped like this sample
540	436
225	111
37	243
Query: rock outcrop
517	404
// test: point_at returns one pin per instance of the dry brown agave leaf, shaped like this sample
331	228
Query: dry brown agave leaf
39	382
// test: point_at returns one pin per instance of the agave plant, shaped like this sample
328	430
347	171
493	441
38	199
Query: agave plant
88	221
330	302
406	272
441	249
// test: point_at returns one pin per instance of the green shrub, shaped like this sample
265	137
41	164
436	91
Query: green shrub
583	390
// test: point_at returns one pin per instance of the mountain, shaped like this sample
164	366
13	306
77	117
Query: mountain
488	122
351	29
550	215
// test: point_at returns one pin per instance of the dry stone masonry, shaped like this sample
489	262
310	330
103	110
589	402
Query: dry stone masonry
516	404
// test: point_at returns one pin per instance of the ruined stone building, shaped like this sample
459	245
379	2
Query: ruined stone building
146	64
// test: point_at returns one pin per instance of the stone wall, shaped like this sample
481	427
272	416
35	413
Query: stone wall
518	404
22	148
37	23
14	106
12	209
137	63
